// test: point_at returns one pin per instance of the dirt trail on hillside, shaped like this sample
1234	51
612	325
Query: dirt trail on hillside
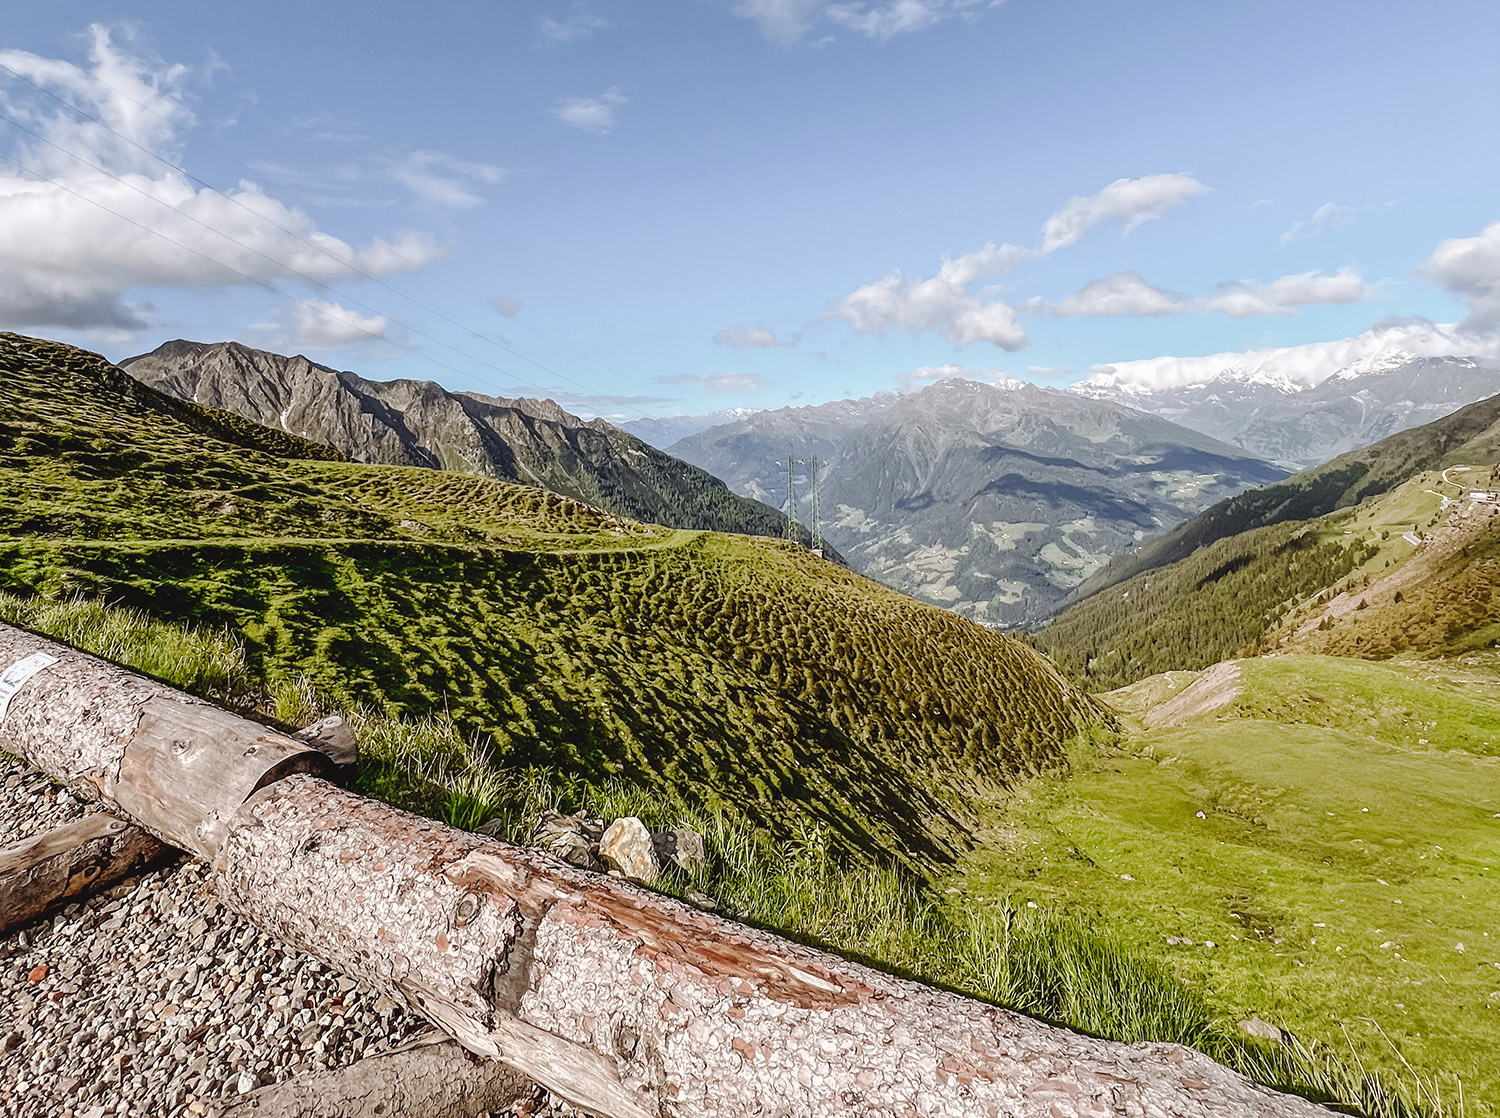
1215	688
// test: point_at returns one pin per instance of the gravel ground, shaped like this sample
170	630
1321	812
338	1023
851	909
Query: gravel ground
30	803
153	1000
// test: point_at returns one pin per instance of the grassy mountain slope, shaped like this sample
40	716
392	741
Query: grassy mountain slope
1319	844
419	423
1469	435
724	670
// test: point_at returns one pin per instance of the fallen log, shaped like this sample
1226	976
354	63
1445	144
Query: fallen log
622	1001
433	1077
68	863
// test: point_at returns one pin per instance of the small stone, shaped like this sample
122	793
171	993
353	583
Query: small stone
627	847
1255	1027
246	1083
37	973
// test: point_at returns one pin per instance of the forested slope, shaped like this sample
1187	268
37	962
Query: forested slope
1471	434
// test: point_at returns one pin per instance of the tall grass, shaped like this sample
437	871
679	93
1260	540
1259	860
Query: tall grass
1046	962
208	662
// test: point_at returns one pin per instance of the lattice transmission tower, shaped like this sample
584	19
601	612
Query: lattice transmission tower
817	513
791	497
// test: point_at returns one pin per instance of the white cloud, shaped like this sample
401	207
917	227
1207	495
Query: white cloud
1330	215
719	382
1292	365
932	374
941	305
1470	267
1129	294
1131	202
788	21
443	180
320	324
1124	293
1245	297
507	305
76	241
579	23
592	114
881	21
751	337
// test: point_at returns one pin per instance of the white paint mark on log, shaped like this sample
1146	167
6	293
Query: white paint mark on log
17	674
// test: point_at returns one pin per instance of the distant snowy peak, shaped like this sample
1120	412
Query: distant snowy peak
1287	369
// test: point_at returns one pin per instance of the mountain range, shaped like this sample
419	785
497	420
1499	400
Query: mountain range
1288	419
419	423
994	501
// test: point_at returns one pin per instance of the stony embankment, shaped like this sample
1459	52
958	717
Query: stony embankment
152	1000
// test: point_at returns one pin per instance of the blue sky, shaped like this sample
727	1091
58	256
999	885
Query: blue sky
682	206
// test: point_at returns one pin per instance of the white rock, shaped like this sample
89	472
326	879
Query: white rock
627	847
1263	1029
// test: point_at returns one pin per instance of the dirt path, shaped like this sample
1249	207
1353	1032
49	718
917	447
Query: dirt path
1215	688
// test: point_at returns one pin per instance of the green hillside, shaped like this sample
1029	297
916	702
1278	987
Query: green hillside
1471	434
1318	844
723	670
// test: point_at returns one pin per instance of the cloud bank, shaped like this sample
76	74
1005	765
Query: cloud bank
1297	365
88	213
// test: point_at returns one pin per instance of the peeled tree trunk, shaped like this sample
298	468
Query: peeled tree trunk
622	1001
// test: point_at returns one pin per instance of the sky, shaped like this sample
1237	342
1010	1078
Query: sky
649	209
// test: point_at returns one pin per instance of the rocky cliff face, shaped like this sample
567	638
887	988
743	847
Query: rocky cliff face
992	501
419	423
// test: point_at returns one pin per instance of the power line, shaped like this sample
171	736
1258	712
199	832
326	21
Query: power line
349	264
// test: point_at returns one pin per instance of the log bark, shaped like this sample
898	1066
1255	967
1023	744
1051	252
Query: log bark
624	1002
174	764
432	1079
69	863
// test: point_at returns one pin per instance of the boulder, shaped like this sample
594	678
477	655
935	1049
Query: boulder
573	838
1262	1029
682	847
627	848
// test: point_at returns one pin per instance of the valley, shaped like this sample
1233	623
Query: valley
1278	806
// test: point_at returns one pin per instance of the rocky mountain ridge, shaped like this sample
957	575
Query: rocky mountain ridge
1288	419
420	423
992	501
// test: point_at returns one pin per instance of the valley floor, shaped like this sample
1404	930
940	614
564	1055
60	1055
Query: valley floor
1310	840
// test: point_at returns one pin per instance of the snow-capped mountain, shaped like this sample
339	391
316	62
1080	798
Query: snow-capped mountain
1294	413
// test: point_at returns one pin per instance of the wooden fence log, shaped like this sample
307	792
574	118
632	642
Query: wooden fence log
622	1001
436	1078
68	863
176	765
